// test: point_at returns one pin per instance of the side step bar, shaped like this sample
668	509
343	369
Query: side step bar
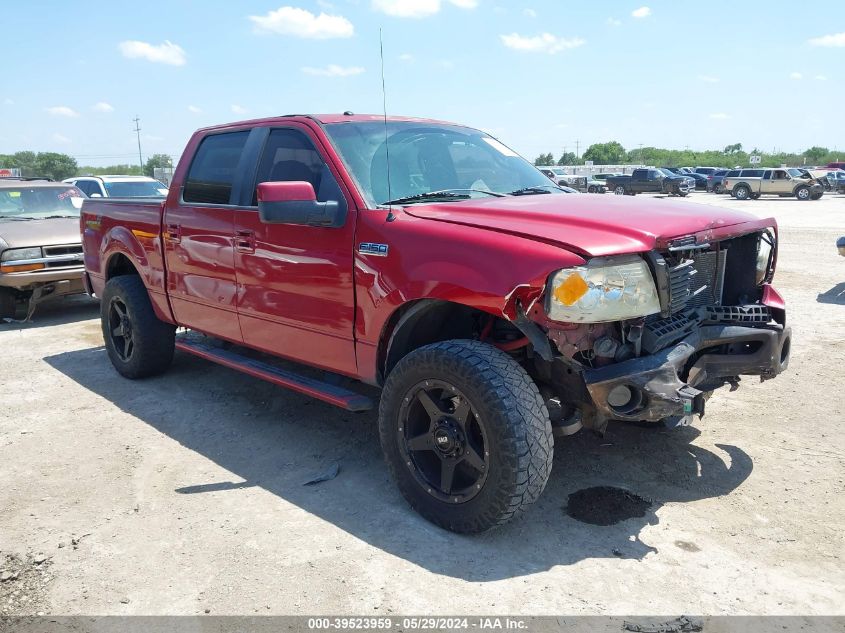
338	396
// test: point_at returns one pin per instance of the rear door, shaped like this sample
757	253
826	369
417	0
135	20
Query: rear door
295	282
199	230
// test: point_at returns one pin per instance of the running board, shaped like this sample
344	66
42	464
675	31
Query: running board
338	396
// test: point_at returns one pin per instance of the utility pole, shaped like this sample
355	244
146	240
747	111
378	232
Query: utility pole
577	148
138	134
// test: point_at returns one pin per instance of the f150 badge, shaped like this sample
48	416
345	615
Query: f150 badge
371	248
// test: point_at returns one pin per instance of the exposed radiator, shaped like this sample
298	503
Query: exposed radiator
697	281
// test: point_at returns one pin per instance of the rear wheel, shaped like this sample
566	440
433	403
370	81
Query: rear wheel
137	342
802	193
465	434
742	192
591	189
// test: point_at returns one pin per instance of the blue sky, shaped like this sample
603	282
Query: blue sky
539	75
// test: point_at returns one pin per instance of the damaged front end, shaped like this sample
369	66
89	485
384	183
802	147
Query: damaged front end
716	318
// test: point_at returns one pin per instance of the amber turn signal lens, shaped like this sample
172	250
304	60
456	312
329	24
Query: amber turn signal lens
21	268
573	288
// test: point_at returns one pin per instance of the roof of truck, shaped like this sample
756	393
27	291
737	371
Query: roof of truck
344	117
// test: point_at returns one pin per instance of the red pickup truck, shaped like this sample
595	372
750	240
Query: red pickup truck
428	259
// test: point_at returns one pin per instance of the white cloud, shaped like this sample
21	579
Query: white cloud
530	13
614	22
166	53
834	40
710	79
301	23
406	57
237	109
60	138
62	111
642	12
820	78
102	106
796	76
544	43
719	116
194	109
407	8
333	70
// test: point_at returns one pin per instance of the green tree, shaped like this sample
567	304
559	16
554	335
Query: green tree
545	159
816	154
733	149
49	165
156	160
568	158
610	153
124	170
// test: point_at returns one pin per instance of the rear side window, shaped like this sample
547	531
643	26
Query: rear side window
733	173
214	167
752	173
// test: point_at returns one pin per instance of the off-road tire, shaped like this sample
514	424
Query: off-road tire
8	304
742	192
153	339
802	193
516	422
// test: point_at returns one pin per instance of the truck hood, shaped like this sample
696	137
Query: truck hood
26	233
594	225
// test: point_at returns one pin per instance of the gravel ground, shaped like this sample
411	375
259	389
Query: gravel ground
184	494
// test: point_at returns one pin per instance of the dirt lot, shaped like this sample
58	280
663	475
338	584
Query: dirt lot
183	493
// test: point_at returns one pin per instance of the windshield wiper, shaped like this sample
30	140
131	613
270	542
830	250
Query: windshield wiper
533	191
446	194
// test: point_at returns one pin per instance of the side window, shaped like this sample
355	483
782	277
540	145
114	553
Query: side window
767	175
734	173
88	186
289	155
213	169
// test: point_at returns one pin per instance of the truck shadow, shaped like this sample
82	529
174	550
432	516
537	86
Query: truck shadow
835	295
278	440
57	311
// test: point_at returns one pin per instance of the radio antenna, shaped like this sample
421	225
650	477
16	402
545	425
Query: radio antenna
384	109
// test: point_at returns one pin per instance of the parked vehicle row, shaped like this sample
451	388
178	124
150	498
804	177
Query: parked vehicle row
649	180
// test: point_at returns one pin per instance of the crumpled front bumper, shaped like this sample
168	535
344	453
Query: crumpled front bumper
654	384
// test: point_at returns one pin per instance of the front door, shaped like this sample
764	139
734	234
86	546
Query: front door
199	239
295	282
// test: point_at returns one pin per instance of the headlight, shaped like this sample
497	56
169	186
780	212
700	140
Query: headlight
605	289
764	256
20	255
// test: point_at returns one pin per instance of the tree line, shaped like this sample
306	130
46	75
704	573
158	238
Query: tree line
61	166
613	153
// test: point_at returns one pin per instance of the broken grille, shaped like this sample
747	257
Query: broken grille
697	281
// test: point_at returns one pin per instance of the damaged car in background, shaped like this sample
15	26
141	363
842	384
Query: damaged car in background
40	243
492	310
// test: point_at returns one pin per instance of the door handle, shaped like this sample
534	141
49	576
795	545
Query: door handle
173	232
245	241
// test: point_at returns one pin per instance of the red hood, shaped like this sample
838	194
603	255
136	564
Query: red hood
595	225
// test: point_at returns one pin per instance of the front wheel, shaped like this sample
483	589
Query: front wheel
465	434
619	190
802	193
591	189
137	342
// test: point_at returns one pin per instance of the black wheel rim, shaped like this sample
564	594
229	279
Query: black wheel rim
443	441
120	330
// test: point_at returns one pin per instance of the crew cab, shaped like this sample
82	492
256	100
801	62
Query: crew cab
648	180
40	249
430	260
785	182
113	186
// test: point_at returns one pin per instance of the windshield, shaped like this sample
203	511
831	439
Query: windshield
39	202
796	173
136	189
430	157
666	172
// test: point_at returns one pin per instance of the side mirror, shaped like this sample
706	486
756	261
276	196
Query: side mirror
296	203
